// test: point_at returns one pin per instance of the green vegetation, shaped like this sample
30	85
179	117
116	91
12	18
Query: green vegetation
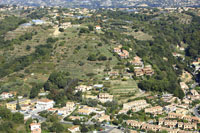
42	52
8	24
48	58
87	53
61	87
10	120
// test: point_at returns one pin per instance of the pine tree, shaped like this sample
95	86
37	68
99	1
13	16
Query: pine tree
18	107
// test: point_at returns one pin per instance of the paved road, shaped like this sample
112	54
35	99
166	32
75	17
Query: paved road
41	119
69	122
194	85
66	122
195	111
108	128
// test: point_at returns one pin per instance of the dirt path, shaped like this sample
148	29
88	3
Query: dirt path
56	32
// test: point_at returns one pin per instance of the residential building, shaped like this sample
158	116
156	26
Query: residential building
148	70
90	97
195	119
86	110
137	61
170	108
181	111
187	117
175	115
98	86
90	108
170	123
70	106
113	73
190	126
43	93
53	110
99	112
105	97
117	50
151	127
104	118
65	25
98	27
13	92
25	107
138	71
35	127
167	97
44	104
134	123
6	95
161	121
195	63
174	100
75	118
12	105
62	111
154	110
124	54
139	107
186	101
38	22
123	111
74	129
132	104
83	88
180	124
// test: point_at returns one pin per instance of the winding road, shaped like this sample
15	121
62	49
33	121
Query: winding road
195	111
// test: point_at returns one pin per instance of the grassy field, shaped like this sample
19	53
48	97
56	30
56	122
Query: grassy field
123	87
140	35
70	58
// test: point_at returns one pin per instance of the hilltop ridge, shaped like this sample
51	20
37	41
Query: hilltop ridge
104	3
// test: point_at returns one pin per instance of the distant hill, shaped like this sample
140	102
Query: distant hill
105	3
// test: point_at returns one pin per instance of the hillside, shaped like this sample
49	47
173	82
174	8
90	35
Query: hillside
30	58
78	60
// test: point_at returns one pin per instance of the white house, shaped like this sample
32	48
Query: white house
83	88
38	22
65	25
104	97
35	127
98	27
70	106
104	118
44	104
6	95
63	111
74	129
98	86
170	108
